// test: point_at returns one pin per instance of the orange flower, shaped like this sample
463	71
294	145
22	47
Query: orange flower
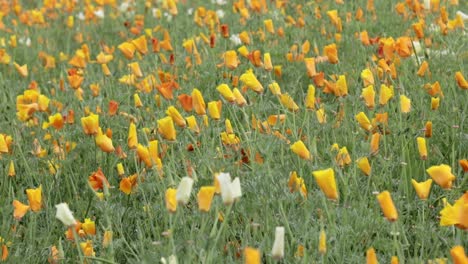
140	44
332	53
301	150
54	120
87	248
90	124
442	175
205	196
230	59
462	83
20	209
127	184
35	198
464	164
310	66
296	183
371	257
422	188
89	227
97	180
326	181
374	145
252	256
388	208
418	29
423	68
269	26
458	255
428	129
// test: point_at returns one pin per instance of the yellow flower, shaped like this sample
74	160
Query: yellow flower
198	103
321	115
388	208
268	23
140	44
104	142
310	97
166	128
310	67
288	102
176	116
422	147
341	86
35	198
214	109
240	100
87	248
363	164
249	79
252	256
386	93
90	124
364	121
405	104
137	100
204	197
367	77
322	242
442	175
422	188
275	88
127	49
22	70
301	150
456	214
132	136
171	201
343	158
435	102
226	92
326	181
192	124
268	66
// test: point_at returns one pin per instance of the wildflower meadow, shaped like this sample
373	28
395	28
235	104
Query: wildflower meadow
234	131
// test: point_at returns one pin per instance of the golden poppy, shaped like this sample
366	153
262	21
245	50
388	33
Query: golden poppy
35	198
422	188
326	181
204	197
301	150
442	175
388	208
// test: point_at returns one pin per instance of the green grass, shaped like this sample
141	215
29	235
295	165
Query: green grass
144	231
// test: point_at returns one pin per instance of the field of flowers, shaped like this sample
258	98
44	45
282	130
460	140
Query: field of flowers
234	131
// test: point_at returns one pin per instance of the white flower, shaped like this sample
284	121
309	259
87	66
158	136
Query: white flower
80	16
230	190
220	13
219	2
64	214
278	246
427	4
99	13
190	11
25	41
463	15
235	39
183	190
